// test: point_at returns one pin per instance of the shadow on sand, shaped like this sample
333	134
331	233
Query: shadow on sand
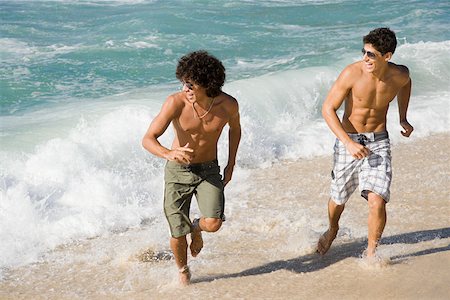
313	262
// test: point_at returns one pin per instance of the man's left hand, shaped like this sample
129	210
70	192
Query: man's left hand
227	174
408	128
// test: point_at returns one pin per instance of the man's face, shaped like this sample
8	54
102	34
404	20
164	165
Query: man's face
192	90
372	58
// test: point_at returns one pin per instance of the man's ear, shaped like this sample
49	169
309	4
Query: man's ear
388	56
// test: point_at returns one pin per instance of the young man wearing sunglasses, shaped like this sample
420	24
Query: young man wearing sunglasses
362	155
198	113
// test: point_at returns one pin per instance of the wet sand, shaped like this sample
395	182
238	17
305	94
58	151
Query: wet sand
266	248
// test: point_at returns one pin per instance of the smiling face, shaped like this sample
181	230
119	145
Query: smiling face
192	91
373	59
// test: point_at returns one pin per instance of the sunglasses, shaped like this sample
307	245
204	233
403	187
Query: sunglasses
370	55
189	85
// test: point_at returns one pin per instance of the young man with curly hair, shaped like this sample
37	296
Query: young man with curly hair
198	114
362	153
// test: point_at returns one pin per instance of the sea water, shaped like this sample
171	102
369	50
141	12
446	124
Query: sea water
81	80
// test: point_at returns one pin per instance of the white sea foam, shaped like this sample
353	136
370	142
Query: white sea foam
83	185
13	49
141	45
428	63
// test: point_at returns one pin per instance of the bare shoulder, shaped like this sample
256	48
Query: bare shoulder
399	73
354	69
400	68
350	74
176	100
174	104
228	102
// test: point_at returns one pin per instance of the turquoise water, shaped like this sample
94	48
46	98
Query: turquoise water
81	81
69	51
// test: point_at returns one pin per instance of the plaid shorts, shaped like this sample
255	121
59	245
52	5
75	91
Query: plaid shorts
372	173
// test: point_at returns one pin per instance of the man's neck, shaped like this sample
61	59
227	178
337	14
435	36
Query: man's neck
204	101
380	74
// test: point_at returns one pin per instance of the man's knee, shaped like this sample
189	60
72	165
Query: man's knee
376	202
333	204
211	224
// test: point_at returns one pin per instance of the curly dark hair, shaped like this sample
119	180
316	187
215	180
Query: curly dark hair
382	39
203	69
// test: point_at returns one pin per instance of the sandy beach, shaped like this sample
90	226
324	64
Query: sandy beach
266	248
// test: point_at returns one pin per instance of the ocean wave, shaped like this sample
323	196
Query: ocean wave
428	63
96	179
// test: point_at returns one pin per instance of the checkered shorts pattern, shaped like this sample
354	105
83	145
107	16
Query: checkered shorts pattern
371	174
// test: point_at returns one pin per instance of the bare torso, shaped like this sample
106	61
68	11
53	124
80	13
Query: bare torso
367	102
202	134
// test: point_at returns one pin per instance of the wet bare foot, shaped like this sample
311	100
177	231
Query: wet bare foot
185	276
325	241
196	237
374	260
370	252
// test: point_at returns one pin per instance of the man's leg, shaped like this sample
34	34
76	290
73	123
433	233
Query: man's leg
211	202
334	214
179	249
376	221
199	225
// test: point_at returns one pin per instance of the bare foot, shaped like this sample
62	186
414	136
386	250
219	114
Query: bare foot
196	237
374	260
185	276
326	240
370	252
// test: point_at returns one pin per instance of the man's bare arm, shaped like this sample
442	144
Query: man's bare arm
334	100
158	126
403	102
234	137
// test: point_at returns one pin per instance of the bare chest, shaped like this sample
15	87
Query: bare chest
370	94
204	125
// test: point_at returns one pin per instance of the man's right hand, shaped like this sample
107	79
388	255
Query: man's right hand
181	154
357	150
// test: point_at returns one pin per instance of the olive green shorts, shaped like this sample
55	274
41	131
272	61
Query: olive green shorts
181	182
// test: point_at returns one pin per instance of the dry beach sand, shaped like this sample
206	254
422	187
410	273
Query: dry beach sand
265	249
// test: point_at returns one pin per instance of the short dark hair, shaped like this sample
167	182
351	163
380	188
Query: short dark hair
383	39
204	70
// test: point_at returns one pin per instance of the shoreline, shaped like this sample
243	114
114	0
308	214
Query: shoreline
266	248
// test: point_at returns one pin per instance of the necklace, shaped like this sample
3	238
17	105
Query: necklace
195	112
